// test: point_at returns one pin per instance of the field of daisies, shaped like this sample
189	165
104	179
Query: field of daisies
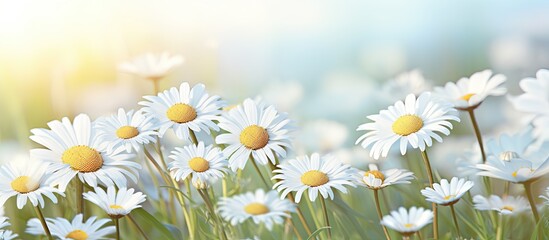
233	173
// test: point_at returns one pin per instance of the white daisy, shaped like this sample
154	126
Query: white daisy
535	100
254	130
91	229
507	146
468	93
7	235
408	222
405	83
184	109
206	164
516	170
315	174
116	203
506	205
4	222
376	179
34	227
74	149
261	207
447	193
26	181
127	130
414	121
151	66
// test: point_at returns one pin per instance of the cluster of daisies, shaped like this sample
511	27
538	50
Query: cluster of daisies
217	143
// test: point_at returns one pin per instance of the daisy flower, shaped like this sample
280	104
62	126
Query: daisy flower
376	179
469	93
151	66
127	130
414	121
447	193
27	181
261	207
204	163
408	222
507	147
7	235
184	109
254	130
116	203
516	170
91	229
535	100
315	174
506	205
74	149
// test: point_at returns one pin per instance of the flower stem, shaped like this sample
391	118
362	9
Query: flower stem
326	218
431	182
499	231
117	225
477	133
380	215
455	219
43	221
528	189
79	196
209	205
138	227
259	172
193	137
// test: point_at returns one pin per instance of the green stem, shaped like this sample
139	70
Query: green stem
477	133
431	182
455	219
193	137
326	218
43	221
499	231
260	174
528	189
138	227
380	215
117	225
79	197
209	205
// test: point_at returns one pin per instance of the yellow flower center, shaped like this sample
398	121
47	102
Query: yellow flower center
408	225
507	207
24	184
515	173
467	96
449	196
127	132
199	164
83	158
114	206
77	235
314	178
254	137
181	113
256	208
377	174
407	124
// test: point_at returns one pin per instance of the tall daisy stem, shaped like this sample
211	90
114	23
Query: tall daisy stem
326	218
380	215
79	196
209	205
117	225
43	221
193	137
454	216
431	182
499	231
528	189
260	174
477	133
141	231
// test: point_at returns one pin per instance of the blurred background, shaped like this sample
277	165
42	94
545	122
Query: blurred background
324	62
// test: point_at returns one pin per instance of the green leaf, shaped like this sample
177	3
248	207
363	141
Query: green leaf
315	233
145	219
